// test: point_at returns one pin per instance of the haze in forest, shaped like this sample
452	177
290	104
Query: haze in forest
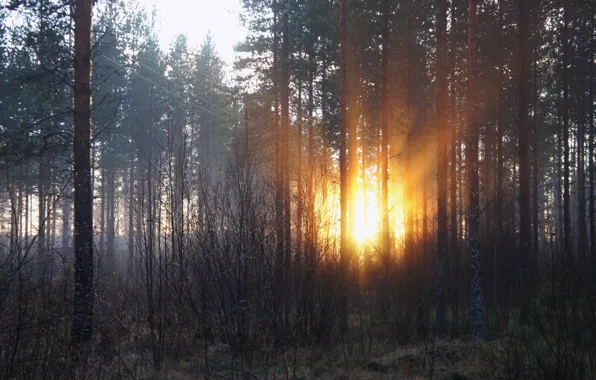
298	189
198	18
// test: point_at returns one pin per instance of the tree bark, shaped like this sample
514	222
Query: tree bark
591	163
442	159
343	168
385	232
477	312
523	152
567	250
285	140
83	197
535	175
110	223
131	204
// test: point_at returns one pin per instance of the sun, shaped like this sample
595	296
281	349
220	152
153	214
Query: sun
366	219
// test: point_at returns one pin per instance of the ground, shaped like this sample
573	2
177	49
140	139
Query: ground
453	360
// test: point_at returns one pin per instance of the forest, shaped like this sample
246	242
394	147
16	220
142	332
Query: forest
374	189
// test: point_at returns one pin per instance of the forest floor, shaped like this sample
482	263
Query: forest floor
441	360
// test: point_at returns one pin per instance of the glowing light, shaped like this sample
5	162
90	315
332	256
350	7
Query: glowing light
366	221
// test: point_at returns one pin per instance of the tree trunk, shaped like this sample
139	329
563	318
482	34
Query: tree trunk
582	238
385	232
442	159
41	229
343	168
285	140
523	154
131	204
477	312
278	149
102	206
66	210
535	176
110	230
27	205
299	205
83	201
567	250
591	164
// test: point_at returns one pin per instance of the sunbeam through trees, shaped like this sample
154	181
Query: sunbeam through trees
370	190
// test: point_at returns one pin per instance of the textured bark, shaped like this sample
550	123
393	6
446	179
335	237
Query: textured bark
343	168
591	163
408	146
285	139
278	161
582	238
385	232
535	175
66	211
559	195
477	310
102	206
83	197
41	229
299	201
453	142
523	151
110	223
27	205
500	131
131	203
442	159
311	157
567	250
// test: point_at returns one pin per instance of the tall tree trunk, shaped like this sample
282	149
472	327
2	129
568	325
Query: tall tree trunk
568	254
385	232
102	206
27	205
54	216
535	175
66	210
310	197
409	137
591	162
20	212
477	312
442	158
311	155
523	153
536	172
559	196
582	238
500	173
343	168
453	142
110	223
41	229
300	193
131	204
285	139
83	201
278	155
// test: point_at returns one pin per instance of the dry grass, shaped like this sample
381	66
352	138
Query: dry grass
443	360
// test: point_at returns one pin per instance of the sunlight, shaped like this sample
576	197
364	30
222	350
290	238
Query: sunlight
366	222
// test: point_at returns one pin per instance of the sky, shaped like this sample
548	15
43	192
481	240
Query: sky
195	18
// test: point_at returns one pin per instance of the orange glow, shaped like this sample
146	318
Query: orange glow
365	219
